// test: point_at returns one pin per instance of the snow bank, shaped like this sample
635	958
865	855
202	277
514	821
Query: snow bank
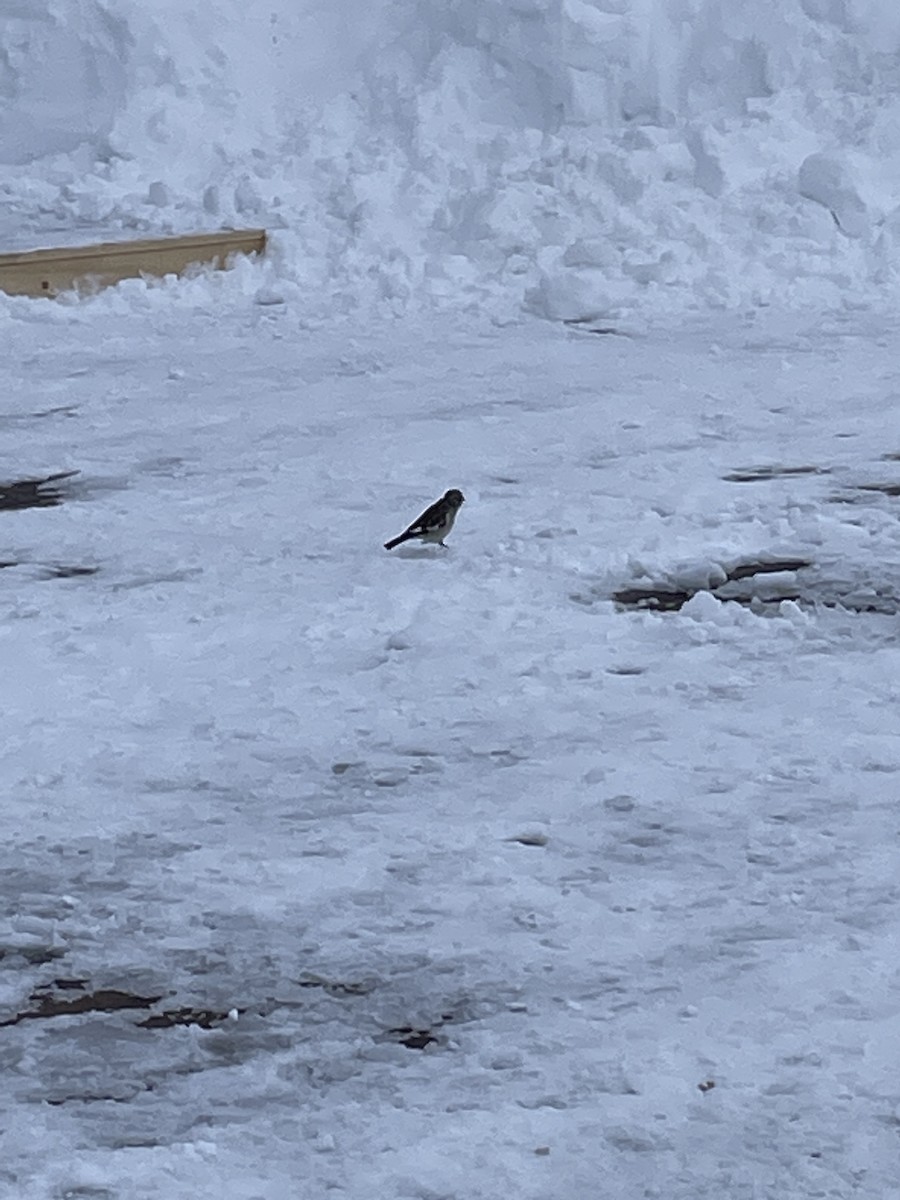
574	156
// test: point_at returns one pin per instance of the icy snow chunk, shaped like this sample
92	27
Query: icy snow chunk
590	252
708	172
587	33
246	198
508	1061
268	296
705	607
791	611
201	1149
581	295
26	931
158	194
390	777
702	573
636	1138
645	270
827	180
341	768
530	837
622	803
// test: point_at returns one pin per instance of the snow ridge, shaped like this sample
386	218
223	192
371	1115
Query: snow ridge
570	156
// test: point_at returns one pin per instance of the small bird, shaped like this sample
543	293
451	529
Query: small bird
435	522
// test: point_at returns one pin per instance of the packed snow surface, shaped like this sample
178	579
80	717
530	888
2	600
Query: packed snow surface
575	157
558	864
488	885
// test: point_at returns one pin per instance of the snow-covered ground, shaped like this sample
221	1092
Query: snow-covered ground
558	864
625	881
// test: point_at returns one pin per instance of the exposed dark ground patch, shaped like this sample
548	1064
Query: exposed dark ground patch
659	599
583	326
412	1039
95	1098
746	583
66	997
62	571
763	474
17	419
50	491
49	1004
666	598
53	570
529	839
205	1018
855	492
34	493
55	999
886	489
34	956
336	987
415	1037
749	570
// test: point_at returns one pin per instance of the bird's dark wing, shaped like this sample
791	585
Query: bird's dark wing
432	516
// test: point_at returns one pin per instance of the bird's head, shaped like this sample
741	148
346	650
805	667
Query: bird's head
454	497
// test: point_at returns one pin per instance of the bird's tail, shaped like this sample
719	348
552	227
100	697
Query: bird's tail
397	541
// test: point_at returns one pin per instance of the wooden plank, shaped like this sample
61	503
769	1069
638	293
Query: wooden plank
90	268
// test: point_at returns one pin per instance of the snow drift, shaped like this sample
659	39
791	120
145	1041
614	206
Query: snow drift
575	156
